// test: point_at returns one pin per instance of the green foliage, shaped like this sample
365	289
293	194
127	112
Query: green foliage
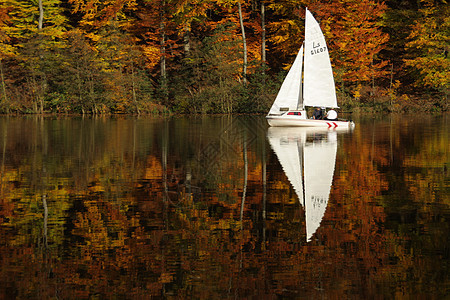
209	73
429	39
82	69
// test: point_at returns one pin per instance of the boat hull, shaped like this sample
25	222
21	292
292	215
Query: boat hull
293	121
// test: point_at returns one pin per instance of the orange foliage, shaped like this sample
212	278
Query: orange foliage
355	37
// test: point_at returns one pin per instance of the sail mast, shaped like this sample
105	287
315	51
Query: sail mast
300	104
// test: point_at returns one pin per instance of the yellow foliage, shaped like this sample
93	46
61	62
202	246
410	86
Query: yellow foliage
152	54
357	92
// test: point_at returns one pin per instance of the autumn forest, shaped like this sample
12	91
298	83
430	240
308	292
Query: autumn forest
220	56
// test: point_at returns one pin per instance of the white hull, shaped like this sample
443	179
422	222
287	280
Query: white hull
295	121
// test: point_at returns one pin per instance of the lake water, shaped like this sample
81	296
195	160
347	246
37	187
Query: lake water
216	207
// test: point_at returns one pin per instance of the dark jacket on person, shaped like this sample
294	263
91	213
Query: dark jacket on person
318	114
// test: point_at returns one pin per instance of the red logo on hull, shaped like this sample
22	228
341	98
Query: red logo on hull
332	125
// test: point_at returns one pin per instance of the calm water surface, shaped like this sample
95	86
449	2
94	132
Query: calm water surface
211	207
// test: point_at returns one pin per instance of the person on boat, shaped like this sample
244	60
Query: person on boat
318	114
331	115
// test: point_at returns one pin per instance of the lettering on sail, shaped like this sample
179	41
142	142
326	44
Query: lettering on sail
318	201
318	49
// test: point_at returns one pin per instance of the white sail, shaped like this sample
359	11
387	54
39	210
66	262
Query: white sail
318	87
319	163
287	143
289	93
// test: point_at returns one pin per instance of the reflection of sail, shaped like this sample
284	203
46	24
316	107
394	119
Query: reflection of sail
307	157
287	143
319	158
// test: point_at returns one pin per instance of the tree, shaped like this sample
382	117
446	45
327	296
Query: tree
37	30
211	72
111	28
83	73
96	14
6	51
186	13
250	28
120	62
159	33
429	41
263	32
244	42
356	38
285	30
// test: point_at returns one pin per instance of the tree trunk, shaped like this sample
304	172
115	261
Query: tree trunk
244	41
35	93
41	15
5	99
163	52
41	104
390	85
5	135
186	40
92	93
373	79
133	86
44	235
264	197
43	84
244	189
80	89
263	33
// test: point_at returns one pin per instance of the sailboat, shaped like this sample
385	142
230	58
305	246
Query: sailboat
318	88
307	156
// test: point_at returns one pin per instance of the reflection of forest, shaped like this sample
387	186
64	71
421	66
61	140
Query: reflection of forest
117	208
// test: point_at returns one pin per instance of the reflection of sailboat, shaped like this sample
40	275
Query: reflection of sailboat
307	157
